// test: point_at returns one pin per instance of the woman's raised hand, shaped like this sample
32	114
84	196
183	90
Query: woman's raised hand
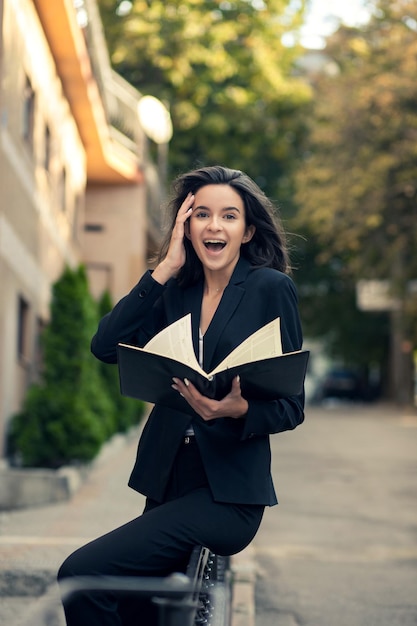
175	257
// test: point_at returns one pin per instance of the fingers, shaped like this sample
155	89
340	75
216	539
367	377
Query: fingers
232	405
176	255
201	404
183	386
235	391
186	208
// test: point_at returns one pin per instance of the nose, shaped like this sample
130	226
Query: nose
214	223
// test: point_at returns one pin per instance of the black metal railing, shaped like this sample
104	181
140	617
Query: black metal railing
200	597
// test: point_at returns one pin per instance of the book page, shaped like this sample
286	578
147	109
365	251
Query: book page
262	344
176	342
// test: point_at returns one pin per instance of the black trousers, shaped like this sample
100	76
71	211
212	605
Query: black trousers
158	543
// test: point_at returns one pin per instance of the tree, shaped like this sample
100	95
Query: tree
222	69
68	415
128	411
327	301
357	187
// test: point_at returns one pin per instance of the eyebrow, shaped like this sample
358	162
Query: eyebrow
227	208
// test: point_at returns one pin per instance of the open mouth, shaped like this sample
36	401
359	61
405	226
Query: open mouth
214	244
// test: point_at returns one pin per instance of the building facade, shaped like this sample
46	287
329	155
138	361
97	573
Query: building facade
74	175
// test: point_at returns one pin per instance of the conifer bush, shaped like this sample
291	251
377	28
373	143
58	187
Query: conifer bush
68	415
128	411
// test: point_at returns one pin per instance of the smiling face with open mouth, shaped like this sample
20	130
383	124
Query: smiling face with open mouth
217	228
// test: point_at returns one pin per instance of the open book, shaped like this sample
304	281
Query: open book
265	372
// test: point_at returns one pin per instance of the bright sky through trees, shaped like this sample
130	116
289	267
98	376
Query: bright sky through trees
323	18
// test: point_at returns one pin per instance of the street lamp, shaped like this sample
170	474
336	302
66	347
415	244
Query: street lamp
155	120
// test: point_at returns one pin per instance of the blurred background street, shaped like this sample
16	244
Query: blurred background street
341	547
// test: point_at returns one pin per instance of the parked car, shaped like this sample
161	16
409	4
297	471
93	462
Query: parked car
340	383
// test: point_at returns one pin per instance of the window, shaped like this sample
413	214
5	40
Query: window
78	212
28	113
38	355
22	327
62	190
47	148
93	228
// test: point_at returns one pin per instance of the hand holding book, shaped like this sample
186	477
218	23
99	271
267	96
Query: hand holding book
265	372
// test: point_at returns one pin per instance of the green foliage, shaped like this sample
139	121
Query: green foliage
69	415
327	295
55	428
356	186
226	76
128	411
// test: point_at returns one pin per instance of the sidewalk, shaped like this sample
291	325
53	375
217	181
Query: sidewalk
35	541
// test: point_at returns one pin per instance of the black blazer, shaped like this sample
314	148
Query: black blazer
235	452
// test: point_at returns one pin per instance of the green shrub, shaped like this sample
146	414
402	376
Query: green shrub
128	411
55	429
70	414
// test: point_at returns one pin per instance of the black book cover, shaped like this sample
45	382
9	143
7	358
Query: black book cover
147	376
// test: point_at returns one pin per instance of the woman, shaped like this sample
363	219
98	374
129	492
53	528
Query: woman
206	477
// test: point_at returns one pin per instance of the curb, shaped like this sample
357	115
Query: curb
244	578
25	488
22	488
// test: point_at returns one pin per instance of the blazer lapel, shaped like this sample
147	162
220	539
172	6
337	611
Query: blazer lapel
230	301
192	304
189	301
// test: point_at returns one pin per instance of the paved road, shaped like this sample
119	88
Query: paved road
341	548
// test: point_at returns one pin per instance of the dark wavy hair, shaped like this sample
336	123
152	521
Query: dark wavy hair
267	248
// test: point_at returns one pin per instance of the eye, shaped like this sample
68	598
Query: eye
230	216
200	213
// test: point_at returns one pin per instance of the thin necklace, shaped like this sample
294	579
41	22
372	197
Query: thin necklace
217	289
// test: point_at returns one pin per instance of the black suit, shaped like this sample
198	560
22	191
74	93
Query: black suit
212	492
234	448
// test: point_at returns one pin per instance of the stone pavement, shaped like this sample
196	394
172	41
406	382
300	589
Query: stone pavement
341	547
35	541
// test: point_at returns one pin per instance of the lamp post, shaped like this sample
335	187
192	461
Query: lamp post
155	120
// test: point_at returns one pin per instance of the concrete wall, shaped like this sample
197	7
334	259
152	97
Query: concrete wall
114	239
42	202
